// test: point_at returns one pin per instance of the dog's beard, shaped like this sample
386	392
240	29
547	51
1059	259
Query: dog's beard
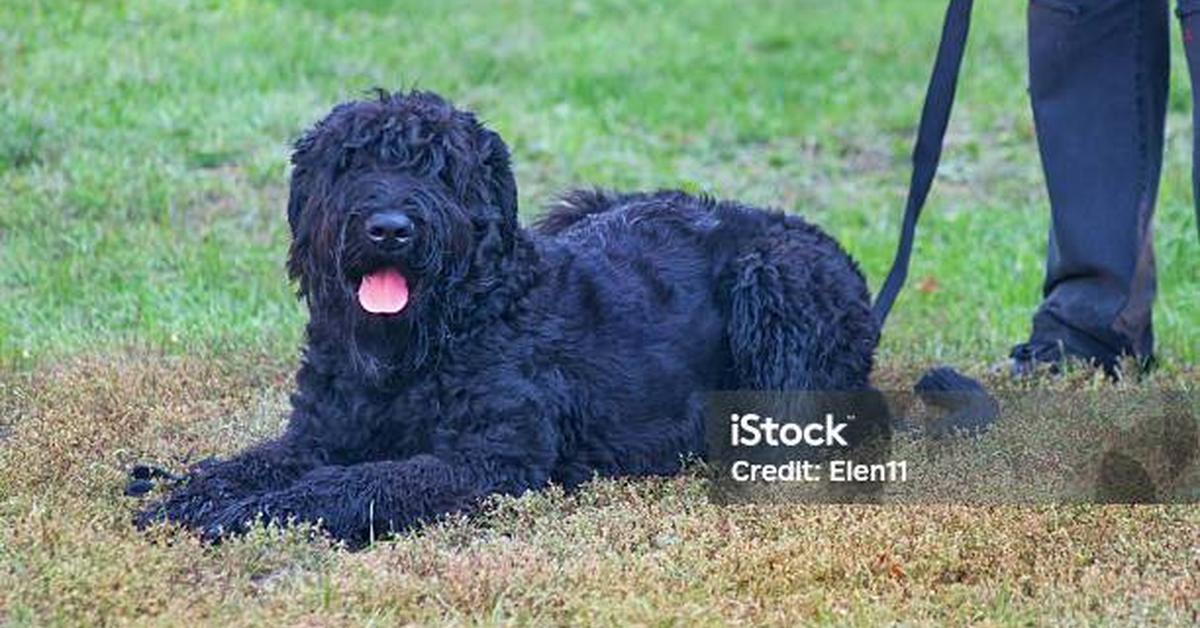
386	329
380	350
378	346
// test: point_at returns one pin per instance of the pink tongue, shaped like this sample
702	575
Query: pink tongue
383	292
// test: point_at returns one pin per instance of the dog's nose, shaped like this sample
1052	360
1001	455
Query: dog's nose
389	228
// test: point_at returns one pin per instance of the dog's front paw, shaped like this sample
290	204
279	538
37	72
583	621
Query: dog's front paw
193	500
182	507
149	516
240	517
210	520
144	477
231	522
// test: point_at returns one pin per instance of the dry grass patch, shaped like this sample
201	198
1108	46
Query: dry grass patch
644	552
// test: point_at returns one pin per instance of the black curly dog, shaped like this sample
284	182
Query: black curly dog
452	354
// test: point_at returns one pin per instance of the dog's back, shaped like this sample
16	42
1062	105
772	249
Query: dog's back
795	306
657	298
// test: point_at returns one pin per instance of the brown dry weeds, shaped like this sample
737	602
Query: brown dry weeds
642	552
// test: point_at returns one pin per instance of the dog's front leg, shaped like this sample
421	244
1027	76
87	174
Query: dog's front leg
508	449
367	501
212	486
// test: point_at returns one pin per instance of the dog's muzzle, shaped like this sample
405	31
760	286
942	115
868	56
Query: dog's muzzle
385	290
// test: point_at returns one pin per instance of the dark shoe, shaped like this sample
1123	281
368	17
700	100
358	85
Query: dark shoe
1029	358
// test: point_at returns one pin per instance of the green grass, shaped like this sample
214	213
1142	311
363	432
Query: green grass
143	165
144	149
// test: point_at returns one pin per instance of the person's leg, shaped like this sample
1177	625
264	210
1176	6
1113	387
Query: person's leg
1189	19
1098	74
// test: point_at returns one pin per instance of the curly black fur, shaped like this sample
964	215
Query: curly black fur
525	356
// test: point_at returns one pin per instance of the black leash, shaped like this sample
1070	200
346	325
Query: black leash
935	116
970	408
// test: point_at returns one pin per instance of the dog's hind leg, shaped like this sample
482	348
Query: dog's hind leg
799	318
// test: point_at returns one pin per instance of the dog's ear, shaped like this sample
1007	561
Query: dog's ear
300	192
496	217
316	156
299	185
476	166
298	182
497	171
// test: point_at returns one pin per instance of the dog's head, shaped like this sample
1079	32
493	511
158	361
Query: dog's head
397	203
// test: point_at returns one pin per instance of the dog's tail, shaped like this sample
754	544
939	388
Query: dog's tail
967	405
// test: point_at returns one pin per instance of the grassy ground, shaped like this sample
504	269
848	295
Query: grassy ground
144	311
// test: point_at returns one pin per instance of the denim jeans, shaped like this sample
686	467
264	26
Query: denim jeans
1098	72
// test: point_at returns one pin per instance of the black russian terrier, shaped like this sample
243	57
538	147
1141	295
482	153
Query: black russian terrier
453	354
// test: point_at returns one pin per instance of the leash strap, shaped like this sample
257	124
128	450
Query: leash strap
935	116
